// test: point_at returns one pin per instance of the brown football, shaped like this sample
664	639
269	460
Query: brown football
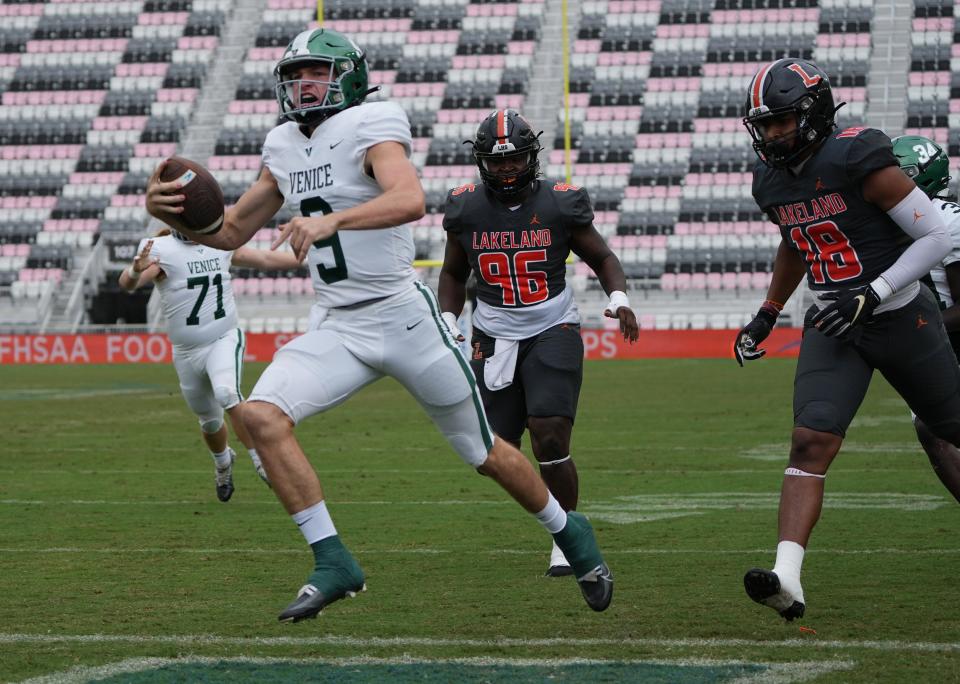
203	198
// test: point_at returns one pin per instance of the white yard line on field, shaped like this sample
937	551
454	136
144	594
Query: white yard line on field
500	642
774	673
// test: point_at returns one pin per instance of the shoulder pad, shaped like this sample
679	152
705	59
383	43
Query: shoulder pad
851	132
459	190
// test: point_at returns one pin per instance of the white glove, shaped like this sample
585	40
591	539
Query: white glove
451	320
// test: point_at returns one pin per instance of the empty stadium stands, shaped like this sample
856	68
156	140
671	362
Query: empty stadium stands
94	94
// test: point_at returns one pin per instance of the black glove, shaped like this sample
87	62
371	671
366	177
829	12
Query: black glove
848	310
755	332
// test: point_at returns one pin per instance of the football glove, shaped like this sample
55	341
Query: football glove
848	310
450	319
755	332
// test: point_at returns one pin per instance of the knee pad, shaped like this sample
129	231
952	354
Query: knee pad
211	424
820	416
464	427
227	397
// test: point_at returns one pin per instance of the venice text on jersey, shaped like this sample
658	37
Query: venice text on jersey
805	212
205	266
311	179
512	240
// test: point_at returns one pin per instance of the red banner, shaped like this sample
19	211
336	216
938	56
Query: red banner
598	344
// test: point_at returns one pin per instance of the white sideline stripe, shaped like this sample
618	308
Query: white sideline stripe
775	674
500	642
488	552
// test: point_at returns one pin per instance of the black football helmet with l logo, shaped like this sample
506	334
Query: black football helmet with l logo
505	135
789	86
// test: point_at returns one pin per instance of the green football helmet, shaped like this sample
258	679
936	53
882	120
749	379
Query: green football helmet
924	161
346	84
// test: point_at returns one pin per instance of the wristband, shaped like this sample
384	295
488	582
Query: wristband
133	275
618	300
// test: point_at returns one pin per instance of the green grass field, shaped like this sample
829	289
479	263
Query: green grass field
118	563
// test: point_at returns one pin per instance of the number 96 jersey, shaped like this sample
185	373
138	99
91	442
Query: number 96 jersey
195	294
519	254
325	173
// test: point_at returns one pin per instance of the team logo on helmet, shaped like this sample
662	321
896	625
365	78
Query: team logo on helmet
924	161
310	101
506	151
789	87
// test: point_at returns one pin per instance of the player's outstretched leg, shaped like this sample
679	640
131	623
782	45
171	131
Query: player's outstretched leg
224	478
785	597
336	575
578	544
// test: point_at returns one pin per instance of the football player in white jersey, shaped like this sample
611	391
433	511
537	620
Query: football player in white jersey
342	166
928	165
197	300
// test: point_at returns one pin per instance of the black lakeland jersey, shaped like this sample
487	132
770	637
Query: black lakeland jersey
519	255
845	241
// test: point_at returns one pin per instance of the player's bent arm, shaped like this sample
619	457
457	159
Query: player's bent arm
146	276
788	271
590	246
911	209
265	260
452	287
251	212
402	200
951	315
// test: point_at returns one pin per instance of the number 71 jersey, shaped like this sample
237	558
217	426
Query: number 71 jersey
196	295
325	173
845	241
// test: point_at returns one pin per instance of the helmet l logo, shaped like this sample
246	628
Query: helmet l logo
808	80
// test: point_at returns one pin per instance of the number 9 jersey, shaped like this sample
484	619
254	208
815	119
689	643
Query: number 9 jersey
195	293
325	173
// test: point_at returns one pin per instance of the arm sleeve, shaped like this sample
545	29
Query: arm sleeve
919	218
387	122
870	151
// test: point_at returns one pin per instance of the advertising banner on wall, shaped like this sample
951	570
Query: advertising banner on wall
155	348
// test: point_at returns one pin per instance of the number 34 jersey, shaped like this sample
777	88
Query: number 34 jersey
845	240
196	295
519	254
324	173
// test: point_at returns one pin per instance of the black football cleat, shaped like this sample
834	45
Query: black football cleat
224	479
597	587
559	565
763	586
310	602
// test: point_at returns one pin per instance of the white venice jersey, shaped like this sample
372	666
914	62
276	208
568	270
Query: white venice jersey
196	295
323	174
951	216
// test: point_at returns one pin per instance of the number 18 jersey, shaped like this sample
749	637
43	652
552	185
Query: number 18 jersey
195	295
324	173
845	241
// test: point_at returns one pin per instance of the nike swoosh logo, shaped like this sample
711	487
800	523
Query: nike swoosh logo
411	327
332	145
861	300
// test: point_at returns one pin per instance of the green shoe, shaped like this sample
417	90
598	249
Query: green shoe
578	544
336	575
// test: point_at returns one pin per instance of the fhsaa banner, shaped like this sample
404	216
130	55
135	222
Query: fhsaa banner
156	348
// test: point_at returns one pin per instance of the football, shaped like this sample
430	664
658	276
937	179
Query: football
203	197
